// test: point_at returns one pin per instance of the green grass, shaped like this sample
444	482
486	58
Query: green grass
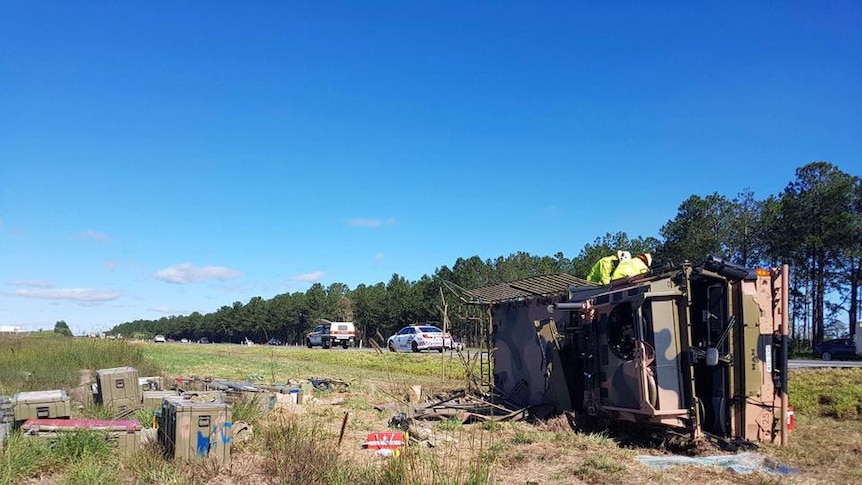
81	454
21	458
249	408
49	361
491	425
524	438
451	423
301	449
600	468
832	393
91	472
278	365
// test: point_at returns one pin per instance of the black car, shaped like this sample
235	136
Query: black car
841	348
204	340
274	341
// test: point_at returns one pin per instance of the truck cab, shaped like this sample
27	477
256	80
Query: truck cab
328	334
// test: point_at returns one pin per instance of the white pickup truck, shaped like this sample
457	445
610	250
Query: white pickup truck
329	334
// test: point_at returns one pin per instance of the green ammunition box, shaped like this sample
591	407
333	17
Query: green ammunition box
41	405
153	399
195	429
155	383
204	396
119	389
124	435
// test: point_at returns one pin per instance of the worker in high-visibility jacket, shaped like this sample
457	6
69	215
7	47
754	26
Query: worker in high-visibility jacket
638	265
602	270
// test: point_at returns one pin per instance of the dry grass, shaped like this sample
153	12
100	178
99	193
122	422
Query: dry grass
304	447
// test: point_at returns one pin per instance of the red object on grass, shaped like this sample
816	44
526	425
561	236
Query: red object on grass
389	440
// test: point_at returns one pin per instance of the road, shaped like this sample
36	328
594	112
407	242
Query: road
818	364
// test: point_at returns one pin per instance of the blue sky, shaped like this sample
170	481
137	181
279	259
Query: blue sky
164	158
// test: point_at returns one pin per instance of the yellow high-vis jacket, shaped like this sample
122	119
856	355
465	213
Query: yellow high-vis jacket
630	267
602	270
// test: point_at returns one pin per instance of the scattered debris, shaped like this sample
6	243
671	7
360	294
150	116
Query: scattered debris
379	440
743	463
326	385
420	435
414	394
242	431
387	453
154	383
343	428
6	416
467	407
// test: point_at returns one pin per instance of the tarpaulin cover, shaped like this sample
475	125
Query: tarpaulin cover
743	463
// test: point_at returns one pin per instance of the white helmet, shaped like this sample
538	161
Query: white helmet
624	255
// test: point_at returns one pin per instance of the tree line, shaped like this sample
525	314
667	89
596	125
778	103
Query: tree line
814	224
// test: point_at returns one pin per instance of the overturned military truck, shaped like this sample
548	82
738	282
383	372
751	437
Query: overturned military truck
701	349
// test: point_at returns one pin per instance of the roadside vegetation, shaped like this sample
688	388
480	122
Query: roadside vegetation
305	446
813	224
48	360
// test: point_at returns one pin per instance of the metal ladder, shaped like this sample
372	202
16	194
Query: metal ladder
485	372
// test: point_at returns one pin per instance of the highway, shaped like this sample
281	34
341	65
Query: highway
821	364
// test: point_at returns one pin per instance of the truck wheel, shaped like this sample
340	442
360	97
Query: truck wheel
345	344
827	355
308	342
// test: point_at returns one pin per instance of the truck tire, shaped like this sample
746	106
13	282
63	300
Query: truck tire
345	344
308	342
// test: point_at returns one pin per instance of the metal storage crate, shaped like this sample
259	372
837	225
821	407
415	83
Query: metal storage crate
41	405
124	435
195	429
118	389
153	399
154	383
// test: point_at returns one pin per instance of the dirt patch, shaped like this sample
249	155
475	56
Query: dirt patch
83	393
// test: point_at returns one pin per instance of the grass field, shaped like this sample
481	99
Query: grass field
303	448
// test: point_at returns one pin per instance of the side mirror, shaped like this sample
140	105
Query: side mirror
712	357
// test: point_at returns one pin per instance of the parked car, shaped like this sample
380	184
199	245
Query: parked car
274	341
159	339
204	340
416	338
328	334
841	348
185	341
453	343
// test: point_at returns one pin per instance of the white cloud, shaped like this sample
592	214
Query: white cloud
89	295
95	235
188	273
378	258
309	277
111	264
32	283
370	223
